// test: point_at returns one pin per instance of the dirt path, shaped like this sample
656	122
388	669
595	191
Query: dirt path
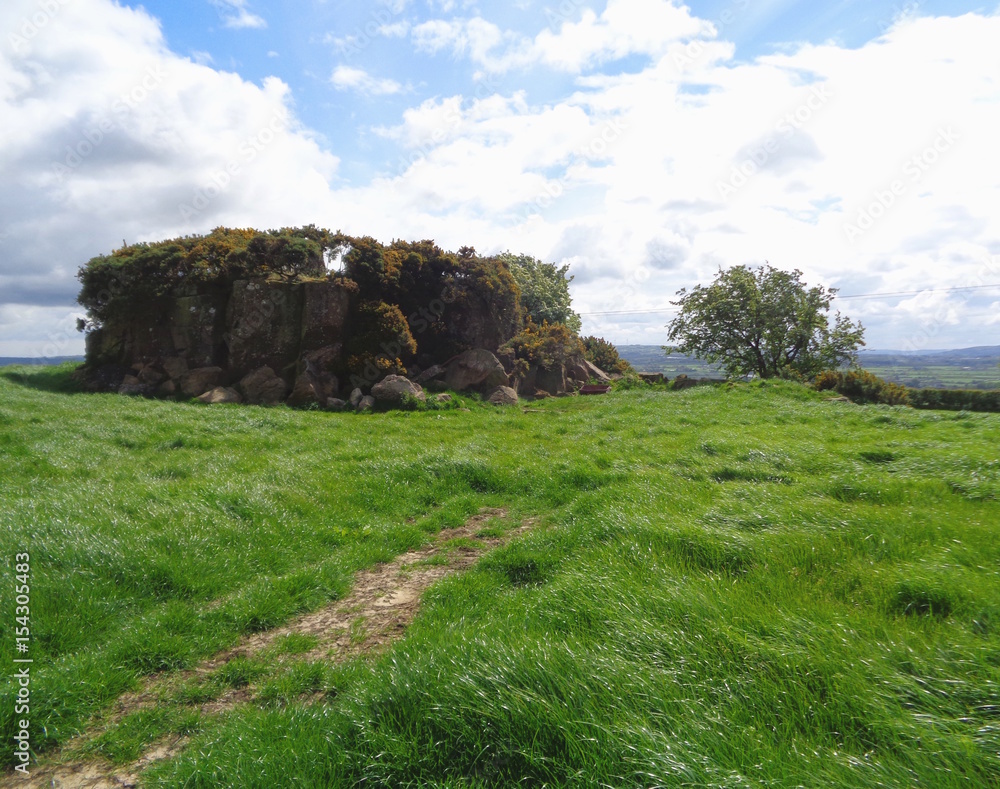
382	603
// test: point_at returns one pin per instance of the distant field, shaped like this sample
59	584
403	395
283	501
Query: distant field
977	368
747	585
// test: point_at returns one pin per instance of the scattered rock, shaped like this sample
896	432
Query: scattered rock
198	381
314	382
175	366
150	375
652	378
355	398
444	397
221	394
596	372
503	395
475	369
432	372
263	387
167	389
133	386
396	390
367	403
335	404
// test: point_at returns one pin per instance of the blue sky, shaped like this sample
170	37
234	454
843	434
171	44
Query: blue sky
643	142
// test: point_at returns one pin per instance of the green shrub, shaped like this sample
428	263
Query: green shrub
547	345
956	399
862	387
602	353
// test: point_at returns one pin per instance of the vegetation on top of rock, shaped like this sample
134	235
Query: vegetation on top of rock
605	355
544	290
547	345
764	322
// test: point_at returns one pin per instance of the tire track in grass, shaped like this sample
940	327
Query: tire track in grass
384	600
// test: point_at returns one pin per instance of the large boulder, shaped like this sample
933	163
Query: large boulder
263	387
355	398
396	390
315	383
431	373
175	366
264	325
551	379
196	382
503	395
476	369
597	372
221	394
583	371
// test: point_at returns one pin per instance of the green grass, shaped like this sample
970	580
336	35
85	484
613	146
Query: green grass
744	585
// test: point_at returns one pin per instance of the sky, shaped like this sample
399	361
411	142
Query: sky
644	143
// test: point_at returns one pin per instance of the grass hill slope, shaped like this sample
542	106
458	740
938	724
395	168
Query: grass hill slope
747	585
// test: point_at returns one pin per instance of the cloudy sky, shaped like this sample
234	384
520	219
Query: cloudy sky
644	142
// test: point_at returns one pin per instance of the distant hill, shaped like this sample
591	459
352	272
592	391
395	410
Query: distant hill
5	360
961	368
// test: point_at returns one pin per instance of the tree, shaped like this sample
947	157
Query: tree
605	355
544	290
763	321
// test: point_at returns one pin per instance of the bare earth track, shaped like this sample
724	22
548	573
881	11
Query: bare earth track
382	603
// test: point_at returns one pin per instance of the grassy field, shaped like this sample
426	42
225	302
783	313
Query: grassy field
738	586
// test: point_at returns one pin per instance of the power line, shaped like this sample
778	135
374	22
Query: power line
855	296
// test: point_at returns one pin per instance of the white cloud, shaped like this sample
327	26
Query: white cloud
235	14
625	27
108	136
350	78
634	179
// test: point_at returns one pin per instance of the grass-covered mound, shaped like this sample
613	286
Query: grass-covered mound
742	585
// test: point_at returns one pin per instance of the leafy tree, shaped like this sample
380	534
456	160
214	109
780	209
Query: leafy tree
765	322
544	290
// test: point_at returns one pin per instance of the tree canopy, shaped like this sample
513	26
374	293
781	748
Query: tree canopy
544	290
765	322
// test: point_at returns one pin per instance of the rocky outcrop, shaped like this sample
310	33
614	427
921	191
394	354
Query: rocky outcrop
475	370
396	390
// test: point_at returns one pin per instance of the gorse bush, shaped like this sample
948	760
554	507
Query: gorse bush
547	345
604	354
862	387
